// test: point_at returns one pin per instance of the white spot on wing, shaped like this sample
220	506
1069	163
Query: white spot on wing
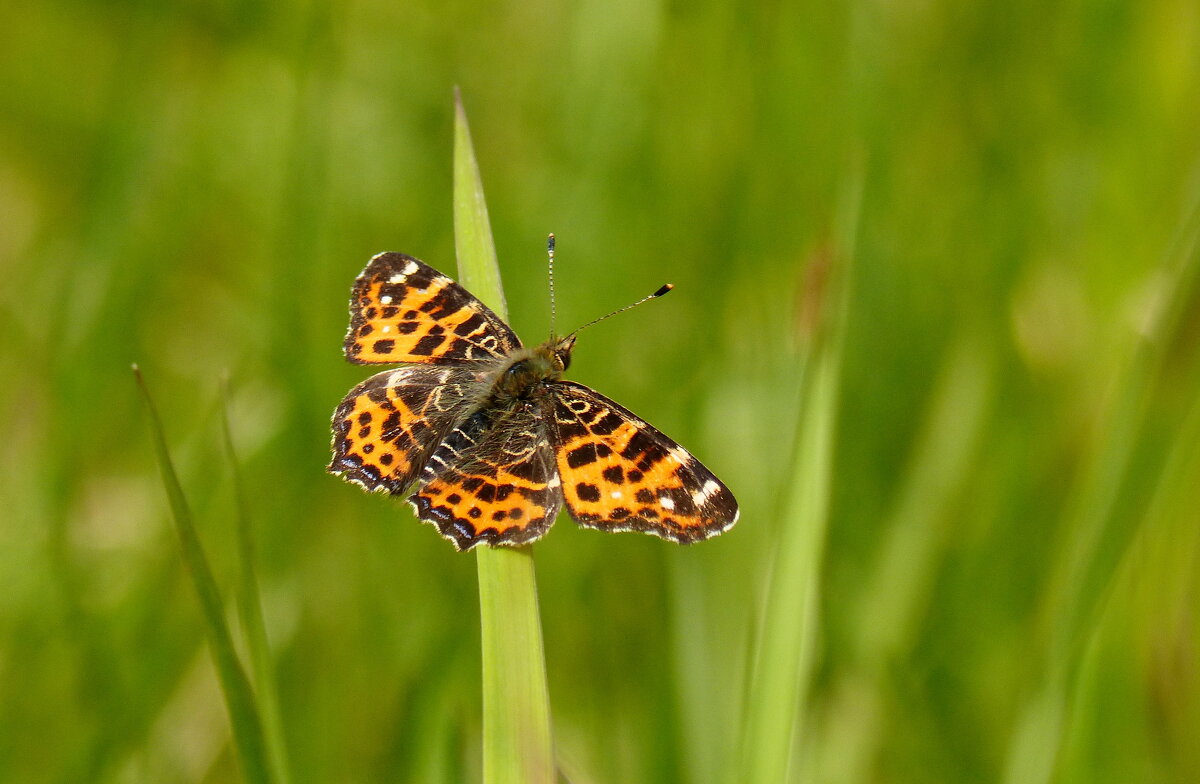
616	494
386	328
680	454
397	279
385	300
666	502
410	268
554	482
704	493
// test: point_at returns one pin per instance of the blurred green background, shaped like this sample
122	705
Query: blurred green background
1010	580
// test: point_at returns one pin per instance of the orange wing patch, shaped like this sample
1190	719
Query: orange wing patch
403	310
620	474
385	429
492	480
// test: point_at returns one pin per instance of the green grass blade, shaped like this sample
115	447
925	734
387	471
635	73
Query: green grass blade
478	267
517	744
785	654
239	698
941	466
1100	536
250	611
516	705
786	647
1172	498
901	592
1169	517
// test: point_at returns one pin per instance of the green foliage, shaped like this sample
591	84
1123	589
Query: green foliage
1005	583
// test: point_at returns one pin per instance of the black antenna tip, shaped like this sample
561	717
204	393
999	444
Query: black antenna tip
550	242
665	288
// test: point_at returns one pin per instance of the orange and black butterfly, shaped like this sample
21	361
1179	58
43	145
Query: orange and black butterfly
488	436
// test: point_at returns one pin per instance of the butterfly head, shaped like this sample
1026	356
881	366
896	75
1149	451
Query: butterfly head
529	368
561	351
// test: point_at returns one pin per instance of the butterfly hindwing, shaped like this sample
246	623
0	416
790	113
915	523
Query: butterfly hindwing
403	310
619	473
492	479
386	428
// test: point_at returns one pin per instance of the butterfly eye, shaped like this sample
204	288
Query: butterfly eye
516	372
564	357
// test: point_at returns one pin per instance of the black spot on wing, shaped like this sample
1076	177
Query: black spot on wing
470	325
427	345
527	469
644	449
606	424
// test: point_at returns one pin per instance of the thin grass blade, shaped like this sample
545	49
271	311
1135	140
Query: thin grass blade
787	644
239	698
250	610
914	543
1086	570
478	267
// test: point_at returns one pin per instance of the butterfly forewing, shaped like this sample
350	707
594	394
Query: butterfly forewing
619	473
403	310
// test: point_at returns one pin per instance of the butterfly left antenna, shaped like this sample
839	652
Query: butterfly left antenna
550	254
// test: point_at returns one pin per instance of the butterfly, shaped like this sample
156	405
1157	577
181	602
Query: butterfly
486	433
